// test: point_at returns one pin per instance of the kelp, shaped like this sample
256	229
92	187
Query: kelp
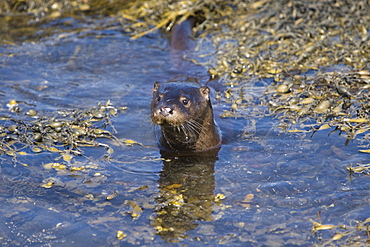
354	234
65	132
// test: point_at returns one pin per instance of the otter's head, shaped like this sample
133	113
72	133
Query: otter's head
175	103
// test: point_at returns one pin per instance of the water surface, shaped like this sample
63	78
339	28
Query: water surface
274	183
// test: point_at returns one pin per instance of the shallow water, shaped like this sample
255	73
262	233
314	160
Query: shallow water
274	183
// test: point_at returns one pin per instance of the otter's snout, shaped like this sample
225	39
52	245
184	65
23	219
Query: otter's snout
163	114
165	111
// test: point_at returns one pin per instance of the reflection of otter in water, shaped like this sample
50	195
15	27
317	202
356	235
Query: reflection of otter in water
186	196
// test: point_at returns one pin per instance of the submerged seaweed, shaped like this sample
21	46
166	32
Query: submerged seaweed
65	132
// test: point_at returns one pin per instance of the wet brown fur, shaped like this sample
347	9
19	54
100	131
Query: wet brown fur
184	112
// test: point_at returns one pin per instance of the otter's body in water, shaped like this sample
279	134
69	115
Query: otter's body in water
183	108
184	112
181	35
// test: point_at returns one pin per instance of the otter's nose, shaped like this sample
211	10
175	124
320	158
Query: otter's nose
165	111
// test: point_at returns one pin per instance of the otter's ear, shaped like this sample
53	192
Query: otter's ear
157	84
205	92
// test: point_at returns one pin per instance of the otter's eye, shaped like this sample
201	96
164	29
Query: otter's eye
185	101
158	98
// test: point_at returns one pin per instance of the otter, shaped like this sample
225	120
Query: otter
181	41
181	35
183	108
184	112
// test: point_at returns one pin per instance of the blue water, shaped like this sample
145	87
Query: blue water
291	176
